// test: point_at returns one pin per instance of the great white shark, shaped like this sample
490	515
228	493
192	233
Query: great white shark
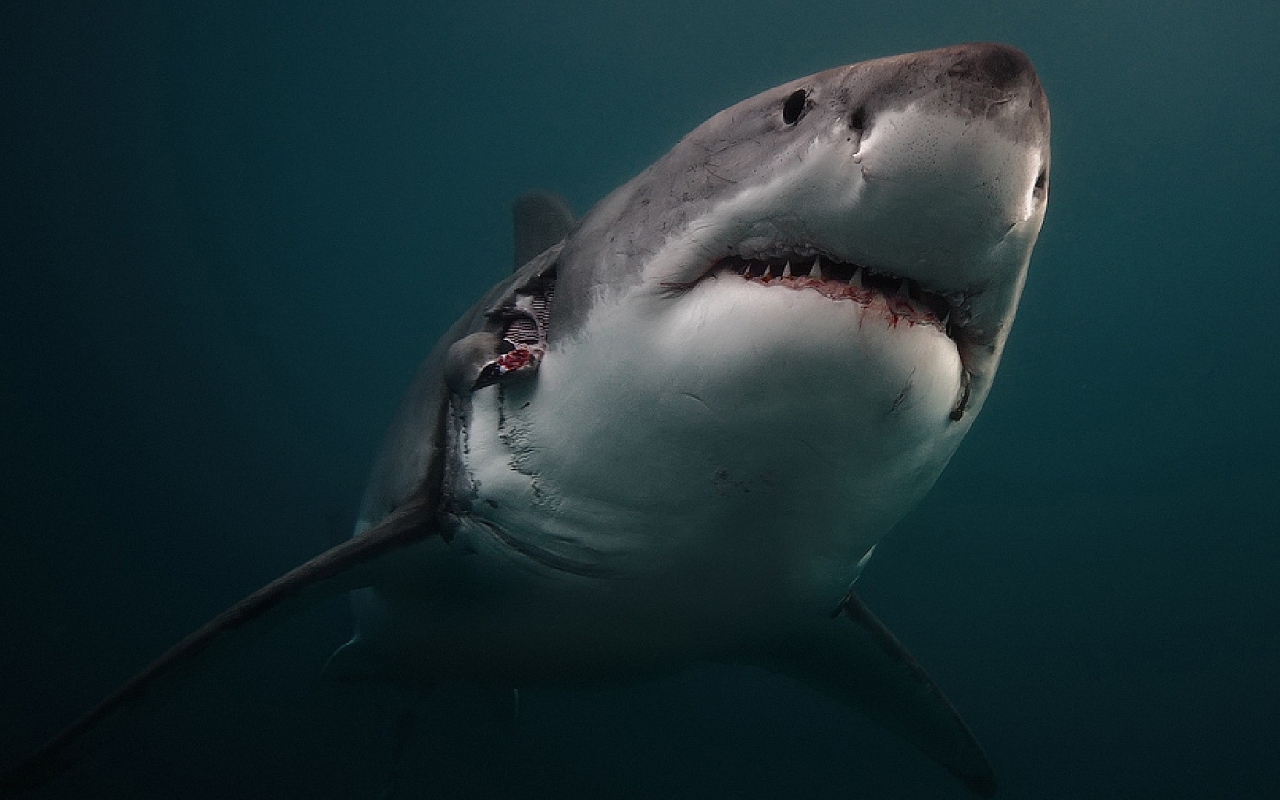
678	430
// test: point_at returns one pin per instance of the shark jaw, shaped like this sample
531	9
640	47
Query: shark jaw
894	300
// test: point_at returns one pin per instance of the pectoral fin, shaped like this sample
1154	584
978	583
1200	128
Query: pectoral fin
854	657
350	565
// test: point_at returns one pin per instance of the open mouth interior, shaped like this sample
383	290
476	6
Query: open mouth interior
904	300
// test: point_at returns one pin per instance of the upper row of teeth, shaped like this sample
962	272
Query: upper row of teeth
815	273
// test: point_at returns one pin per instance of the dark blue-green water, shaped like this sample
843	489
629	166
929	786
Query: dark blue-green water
229	232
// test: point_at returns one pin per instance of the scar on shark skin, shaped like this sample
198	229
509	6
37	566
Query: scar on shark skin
902	395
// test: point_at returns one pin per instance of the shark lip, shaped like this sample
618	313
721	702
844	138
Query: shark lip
904	300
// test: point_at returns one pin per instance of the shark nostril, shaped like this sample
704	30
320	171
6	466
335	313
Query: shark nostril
858	120
794	106
1042	182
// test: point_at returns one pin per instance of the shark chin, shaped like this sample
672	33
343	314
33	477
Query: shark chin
677	431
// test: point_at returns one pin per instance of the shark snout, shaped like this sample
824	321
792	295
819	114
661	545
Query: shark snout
952	157
981	82
998	65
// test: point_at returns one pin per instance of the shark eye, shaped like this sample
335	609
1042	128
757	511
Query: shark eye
794	107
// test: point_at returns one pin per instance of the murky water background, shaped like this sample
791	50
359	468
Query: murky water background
230	231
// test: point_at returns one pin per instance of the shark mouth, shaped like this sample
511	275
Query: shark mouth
903	301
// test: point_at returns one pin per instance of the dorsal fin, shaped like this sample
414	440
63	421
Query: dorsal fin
540	219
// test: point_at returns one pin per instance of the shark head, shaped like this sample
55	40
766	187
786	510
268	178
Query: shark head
772	340
923	175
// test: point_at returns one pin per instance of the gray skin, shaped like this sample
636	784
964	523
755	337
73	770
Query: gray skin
931	167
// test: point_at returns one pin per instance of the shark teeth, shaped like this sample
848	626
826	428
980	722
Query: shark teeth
906	298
